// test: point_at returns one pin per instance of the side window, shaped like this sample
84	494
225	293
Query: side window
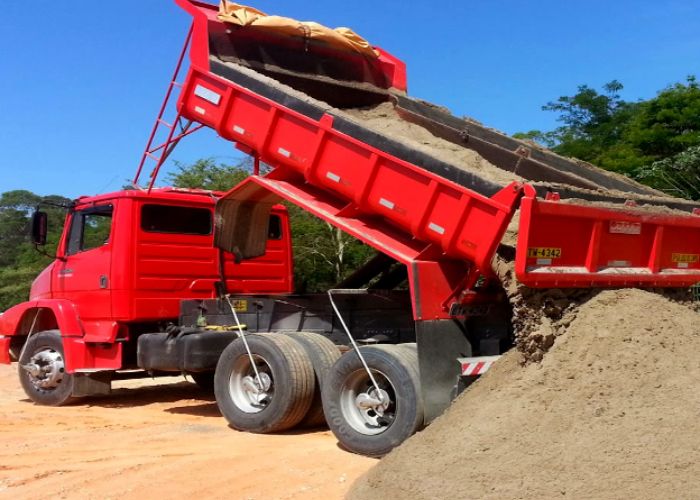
176	220
274	231
90	228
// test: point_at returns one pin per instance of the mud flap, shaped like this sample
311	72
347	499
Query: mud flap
440	343
92	384
5	357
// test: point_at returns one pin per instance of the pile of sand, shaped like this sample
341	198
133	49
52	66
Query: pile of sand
384	119
610	412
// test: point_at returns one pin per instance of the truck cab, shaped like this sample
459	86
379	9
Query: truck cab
124	262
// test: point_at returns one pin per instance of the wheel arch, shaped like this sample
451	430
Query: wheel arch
36	316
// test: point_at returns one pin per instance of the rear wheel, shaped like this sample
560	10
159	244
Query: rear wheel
322	353
368	421
282	395
42	370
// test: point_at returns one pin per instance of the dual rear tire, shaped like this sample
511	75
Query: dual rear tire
300	379
280	387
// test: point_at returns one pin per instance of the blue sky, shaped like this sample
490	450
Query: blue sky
81	82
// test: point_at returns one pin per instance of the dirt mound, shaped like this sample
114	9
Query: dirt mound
610	412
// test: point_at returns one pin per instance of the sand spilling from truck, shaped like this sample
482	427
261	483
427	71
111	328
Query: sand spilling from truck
384	119
611	411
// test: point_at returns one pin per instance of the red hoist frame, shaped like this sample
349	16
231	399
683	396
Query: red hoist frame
178	129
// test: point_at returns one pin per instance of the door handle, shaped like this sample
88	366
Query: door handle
65	271
104	282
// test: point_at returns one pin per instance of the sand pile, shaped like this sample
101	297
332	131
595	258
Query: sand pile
385	120
610	412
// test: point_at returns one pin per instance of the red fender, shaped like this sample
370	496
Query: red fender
79	355
65	313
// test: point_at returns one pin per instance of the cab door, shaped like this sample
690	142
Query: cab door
83	274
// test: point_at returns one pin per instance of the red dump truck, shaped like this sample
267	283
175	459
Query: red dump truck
150	281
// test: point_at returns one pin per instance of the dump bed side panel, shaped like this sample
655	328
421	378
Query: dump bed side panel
300	139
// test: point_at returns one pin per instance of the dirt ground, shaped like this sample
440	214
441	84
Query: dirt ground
162	438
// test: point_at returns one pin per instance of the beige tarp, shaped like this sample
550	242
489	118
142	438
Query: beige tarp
340	37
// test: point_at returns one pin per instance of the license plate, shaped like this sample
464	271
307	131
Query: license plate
240	305
687	258
544	253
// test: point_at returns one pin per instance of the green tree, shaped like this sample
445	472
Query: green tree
627	137
678	175
20	262
667	124
207	174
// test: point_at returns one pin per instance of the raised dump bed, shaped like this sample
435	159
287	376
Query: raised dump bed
394	194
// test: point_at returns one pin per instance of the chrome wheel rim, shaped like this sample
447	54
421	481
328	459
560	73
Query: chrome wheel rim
45	369
366	410
246	392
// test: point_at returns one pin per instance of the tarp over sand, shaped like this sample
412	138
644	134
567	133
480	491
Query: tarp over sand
343	38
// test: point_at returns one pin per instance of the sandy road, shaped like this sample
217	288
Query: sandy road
163	439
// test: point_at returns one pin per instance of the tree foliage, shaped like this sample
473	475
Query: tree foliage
19	260
678	175
206	173
627	137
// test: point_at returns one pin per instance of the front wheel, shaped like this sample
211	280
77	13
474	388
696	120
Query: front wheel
366	420
42	370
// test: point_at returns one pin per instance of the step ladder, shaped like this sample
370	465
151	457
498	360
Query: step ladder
156	152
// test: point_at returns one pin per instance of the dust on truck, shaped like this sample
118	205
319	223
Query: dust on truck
201	283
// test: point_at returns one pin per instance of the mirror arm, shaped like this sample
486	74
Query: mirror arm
43	252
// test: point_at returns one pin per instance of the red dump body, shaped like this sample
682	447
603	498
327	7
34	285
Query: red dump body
444	231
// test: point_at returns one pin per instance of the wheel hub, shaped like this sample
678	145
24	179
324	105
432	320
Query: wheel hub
248	393
256	394
372	405
368	409
46	369
371	400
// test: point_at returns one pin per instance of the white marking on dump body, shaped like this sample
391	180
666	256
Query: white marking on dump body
386	203
437	228
207	95
477	365
334	177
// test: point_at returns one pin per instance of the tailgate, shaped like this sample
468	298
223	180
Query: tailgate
575	245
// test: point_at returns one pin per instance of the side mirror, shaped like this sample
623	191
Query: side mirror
39	227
